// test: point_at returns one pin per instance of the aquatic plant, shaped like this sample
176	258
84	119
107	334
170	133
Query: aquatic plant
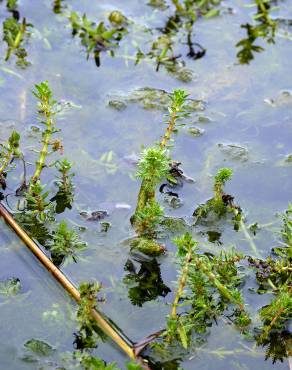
8	152
194	9
162	52
47	109
65	244
185	14
88	330
207	285
58	6
274	276
153	167
220	203
65	194
10	287
38	206
98	38
154	164
11	4
265	28
90	362
15	33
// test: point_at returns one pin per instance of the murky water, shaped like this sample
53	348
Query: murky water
246	124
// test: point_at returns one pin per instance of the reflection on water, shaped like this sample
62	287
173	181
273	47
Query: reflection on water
145	284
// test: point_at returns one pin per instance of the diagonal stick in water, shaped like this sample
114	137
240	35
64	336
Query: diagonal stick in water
109	329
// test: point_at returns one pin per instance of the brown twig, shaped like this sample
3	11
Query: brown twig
111	331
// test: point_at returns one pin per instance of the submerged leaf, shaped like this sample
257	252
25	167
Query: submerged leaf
39	347
10	287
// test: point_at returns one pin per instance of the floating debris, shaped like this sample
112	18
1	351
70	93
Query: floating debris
94	216
39	347
196	131
151	98
234	152
10	287
284	98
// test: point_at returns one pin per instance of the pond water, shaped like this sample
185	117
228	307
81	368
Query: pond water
243	121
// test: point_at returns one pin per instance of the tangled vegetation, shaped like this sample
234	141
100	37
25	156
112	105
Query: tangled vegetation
214	279
208	285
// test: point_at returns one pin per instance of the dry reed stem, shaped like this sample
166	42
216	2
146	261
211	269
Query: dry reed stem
124	343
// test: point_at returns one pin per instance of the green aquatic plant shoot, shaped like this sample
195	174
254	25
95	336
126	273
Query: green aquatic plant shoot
65	194
264	28
153	167
38	204
201	278
65	244
88	331
47	111
274	276
14	34
155	164
98	38
8	152
90	362
220	203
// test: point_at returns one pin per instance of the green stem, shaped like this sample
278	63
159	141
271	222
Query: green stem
17	40
146	195
169	131
221	288
6	161
181	284
147	190
178	6
41	162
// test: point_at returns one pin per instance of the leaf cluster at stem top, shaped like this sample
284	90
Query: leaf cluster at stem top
223	175
153	165
44	95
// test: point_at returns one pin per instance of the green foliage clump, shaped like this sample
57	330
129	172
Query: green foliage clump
39	347
184	15
287	230
65	243
265	28
58	6
278	312
223	175
221	203
11	4
90	362
194	9
37	202
153	166
148	218
274	275
14	34
8	152
10	287
117	18
147	246
65	194
88	333
207	286
97	38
